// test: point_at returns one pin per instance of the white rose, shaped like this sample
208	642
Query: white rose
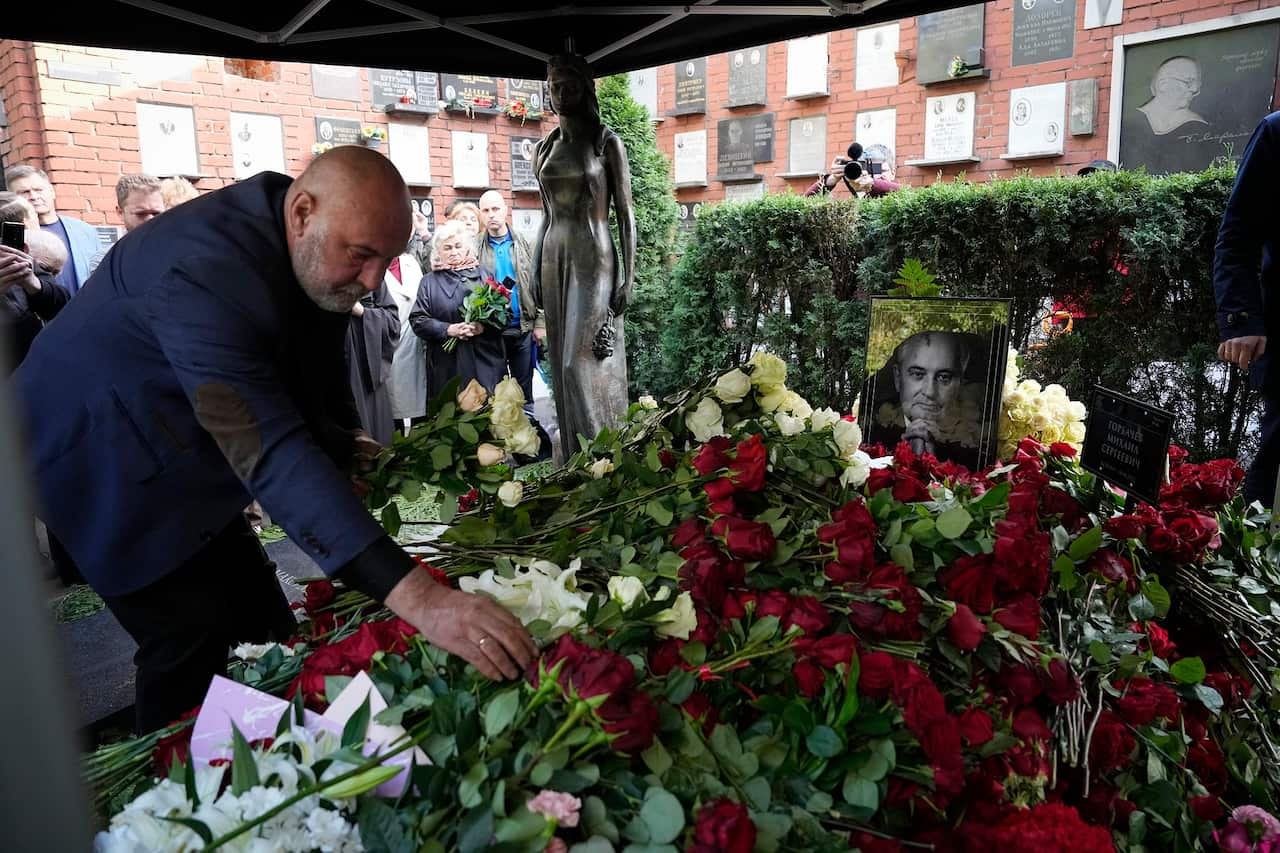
797	405
705	421
858	471
254	651
1040	421
848	437
505	418
733	386
490	454
508	391
510	493
473	397
770	372
1055	390
627	591
787	424
647	402
601	467
525	441
774	400
1075	432
1030	386
679	621
1076	410
823	418
541	593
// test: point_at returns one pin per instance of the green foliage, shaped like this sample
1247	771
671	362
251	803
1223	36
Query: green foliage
655	209
914	280
1134	252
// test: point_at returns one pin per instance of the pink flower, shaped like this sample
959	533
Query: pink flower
555	805
1261	824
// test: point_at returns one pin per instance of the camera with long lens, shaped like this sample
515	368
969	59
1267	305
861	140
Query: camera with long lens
855	164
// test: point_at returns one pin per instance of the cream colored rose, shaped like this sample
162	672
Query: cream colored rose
505	418
525	441
858	471
647	402
601	467
627	591
679	621
490	454
788	424
797	405
773	400
733	386
823	418
848	437
1076	410
1030	387
510	493
473	397
770	372
508	391
706	421
1075	432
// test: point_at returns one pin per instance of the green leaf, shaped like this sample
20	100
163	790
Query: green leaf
501	712
1065	568
361	783
1085	544
763	630
1209	697
680	684
468	433
657	759
475	830
862	794
469	787
824	742
901	555
380	829
411	490
758	792
669	564
442	457
196	826
1141	608
659	512
244	769
1188	671
954	522
1157	595
662	815
1100	652
524	825
390	517
357	726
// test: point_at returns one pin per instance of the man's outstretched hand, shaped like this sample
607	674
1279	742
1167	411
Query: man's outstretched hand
476	629
1243	351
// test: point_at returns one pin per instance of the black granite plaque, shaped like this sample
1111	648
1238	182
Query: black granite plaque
532	92
691	87
388	86
946	35
688	213
735	155
1127	443
427	208
749	76
522	148
335	82
480	92
1043	30
337	131
763	133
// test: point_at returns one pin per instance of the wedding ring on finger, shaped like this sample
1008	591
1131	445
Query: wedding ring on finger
482	641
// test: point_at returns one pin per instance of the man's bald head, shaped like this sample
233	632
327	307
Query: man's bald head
493	213
346	218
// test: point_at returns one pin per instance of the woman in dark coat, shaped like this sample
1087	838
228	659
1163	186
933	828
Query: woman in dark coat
29	298
437	316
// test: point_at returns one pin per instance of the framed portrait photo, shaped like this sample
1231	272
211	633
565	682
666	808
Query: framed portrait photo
935	373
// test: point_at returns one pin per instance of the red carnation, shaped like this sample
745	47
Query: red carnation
748	467
964	629
749	540
1111	745
723	826
976	726
1144	701
1021	615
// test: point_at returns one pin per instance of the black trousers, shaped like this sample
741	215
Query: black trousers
186	623
1260	483
519	348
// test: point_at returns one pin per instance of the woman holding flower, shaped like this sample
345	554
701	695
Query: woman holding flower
436	317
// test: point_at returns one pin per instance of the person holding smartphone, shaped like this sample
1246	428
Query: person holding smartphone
29	298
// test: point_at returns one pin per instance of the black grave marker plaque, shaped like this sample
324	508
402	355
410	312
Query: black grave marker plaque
946	35
691	87
1127	443
749	76
388	86
1043	30
532	92
337	131
522	163
478	91
427	208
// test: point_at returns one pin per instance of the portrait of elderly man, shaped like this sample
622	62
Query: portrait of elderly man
1173	87
934	399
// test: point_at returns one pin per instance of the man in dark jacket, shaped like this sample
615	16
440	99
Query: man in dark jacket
510	256
1244	281
205	368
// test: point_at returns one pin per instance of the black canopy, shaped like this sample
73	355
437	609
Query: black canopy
508	38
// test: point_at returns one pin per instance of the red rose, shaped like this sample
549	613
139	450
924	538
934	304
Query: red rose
591	672
1021	557
691	531
809	678
809	614
708	576
830	651
1029	725
775	602
1059	682
976	726
174	749
632	716
747	469
1055	501
1208	809
1021	615
668	460
879	669
907	489
723	826
1124	526
1021	683
1177	456
1144	701
1110	565
901	622
852	519
1061	450
318	595
1198	530
749	540
468	502
865	843
720	496
964	629
735	603
1158	640
1112	744
711	457
880	478
1204	759
1206	486
1234	689
971	581
665	657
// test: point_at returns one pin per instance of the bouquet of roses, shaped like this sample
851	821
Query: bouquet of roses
489	304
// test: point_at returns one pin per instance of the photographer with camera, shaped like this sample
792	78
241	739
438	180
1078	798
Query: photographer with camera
866	172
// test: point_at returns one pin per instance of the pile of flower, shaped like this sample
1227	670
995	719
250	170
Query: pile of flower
1045	414
761	637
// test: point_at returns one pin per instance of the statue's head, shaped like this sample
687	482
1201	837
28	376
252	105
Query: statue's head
572	86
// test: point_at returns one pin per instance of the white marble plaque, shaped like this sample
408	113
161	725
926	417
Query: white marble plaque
527	222
470	159
807	66
691	157
1102	13
1037	119
877	127
644	88
167	139
257	144
807	145
409	149
948	127
744	192
874	63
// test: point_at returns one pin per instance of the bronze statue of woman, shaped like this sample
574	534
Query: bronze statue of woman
582	170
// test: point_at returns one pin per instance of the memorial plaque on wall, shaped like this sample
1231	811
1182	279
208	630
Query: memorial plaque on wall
644	88
337	131
690	159
257	144
1036	118
338	82
807	66
532	92
687	212
734	152
874	64
807	152
750	191
470	159
1126	443
522	148
426	207
691	87
1190	99
946	35
1084	106
948	127
749	76
478	91
1102	13
1043	30
167	140
409	150
426	87
388	86
877	127
763	133
527	222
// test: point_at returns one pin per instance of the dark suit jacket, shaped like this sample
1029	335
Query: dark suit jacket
193	375
23	315
1248	249
439	303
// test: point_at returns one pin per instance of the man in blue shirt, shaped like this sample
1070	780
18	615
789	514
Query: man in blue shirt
1244	282
510	256
79	237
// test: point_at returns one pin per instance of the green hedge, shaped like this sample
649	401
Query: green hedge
793	274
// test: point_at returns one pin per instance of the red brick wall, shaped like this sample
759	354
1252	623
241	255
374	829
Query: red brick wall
1092	60
85	134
